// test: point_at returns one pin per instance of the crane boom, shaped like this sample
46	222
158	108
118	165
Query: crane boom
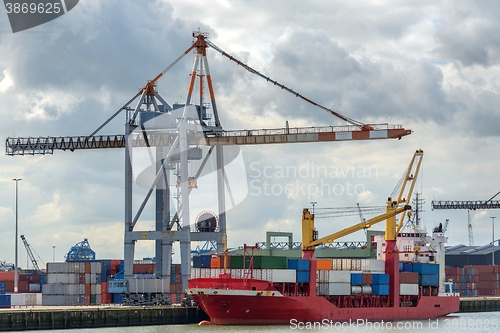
30	253
394	207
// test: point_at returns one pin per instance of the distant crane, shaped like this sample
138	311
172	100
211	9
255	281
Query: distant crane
30	253
472	204
80	251
360	213
471	236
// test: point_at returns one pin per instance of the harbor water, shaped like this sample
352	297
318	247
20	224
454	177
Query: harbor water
456	323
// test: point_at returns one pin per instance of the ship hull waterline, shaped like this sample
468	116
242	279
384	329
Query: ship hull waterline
283	310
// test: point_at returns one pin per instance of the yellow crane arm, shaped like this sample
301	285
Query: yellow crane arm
309	232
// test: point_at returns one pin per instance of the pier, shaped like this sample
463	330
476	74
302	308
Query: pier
89	317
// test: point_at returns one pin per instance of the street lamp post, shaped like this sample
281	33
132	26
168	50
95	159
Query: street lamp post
16	274
493	239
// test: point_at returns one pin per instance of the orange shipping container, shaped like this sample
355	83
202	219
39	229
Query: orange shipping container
324	264
215	262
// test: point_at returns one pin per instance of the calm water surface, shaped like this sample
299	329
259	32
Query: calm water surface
457	323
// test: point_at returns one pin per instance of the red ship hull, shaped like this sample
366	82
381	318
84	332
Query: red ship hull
280	310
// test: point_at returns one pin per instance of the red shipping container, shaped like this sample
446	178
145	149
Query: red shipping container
7	276
488	277
144	268
366	278
23	286
408	277
87	267
104	287
87	291
488	285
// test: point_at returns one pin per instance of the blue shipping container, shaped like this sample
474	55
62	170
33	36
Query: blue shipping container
408	267
303	265
196	263
117	298
400	266
424	268
380	289
380	279
428	280
173	278
298	264
43	278
302	277
205	261
4	301
2	287
356	279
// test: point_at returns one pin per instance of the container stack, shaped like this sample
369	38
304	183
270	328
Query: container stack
72	283
408	283
301	266
475	280
380	284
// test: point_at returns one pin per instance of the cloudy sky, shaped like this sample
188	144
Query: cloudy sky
431	66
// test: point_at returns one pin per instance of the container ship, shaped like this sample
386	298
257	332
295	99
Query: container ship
406	281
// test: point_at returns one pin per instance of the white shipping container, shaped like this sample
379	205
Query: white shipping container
214	272
74	278
74	289
53	289
34	288
57	267
373	266
95	289
236	273
339	277
339	288
266	274
322	289
284	275
337	264
149	286
98	299
257	274
54	300
322	276
357	290
23	299
346	265
356	264
73	267
53	278
406	289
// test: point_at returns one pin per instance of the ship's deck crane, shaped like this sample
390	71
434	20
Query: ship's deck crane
400	204
213	136
30	253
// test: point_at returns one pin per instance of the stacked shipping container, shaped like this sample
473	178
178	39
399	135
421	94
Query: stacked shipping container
71	283
475	280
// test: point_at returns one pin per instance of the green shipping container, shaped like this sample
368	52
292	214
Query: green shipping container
236	262
269	262
92	299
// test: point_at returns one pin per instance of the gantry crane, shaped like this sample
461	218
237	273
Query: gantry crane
395	206
469	205
176	133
